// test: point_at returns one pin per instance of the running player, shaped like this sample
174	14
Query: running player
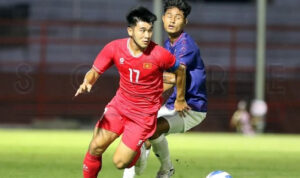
169	121
133	110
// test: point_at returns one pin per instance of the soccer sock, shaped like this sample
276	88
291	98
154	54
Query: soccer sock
91	165
129	172
161	150
147	153
135	159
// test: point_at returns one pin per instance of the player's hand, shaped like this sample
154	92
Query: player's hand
83	88
181	107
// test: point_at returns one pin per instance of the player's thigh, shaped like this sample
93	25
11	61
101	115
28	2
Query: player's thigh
178	124
107	129
192	119
135	133
101	140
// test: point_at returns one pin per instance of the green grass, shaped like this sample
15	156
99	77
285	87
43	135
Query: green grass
59	154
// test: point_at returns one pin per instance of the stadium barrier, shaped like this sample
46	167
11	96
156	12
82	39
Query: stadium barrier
30	90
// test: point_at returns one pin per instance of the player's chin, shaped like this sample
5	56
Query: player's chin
172	32
145	44
168	30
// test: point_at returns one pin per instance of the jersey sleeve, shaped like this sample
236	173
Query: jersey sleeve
185	56
104	59
169	63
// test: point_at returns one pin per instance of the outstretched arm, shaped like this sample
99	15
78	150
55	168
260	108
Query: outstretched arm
89	80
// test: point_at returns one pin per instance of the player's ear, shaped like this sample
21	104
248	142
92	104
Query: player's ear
130	31
186	21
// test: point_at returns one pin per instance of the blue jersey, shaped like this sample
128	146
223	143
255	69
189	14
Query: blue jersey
187	52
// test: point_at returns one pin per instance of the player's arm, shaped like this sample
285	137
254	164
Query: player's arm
102	62
180	102
169	80
89	80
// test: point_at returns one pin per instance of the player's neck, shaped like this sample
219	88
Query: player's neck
134	48
174	37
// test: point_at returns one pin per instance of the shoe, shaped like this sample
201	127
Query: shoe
141	164
165	173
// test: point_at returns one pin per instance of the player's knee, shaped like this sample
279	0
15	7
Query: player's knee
162	127
119	163
155	135
95	148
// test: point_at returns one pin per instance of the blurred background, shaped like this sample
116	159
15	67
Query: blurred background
47	46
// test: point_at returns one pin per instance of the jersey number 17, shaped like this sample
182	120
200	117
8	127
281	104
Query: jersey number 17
134	72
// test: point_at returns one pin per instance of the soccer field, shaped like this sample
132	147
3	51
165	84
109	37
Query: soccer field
59	154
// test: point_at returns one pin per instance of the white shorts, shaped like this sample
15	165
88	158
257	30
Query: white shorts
180	124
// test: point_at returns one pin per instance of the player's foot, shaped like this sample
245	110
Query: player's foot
142	162
165	173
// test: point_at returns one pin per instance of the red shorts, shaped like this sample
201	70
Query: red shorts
135	126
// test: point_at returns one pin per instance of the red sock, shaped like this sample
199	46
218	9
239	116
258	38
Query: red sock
91	165
137	156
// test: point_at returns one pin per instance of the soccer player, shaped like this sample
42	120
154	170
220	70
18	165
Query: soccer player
169	121
133	110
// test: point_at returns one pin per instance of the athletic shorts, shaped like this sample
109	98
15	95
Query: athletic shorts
180	124
135	126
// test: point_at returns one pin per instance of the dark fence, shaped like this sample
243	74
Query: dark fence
29	90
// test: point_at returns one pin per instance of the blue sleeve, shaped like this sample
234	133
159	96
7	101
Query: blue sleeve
185	57
175	66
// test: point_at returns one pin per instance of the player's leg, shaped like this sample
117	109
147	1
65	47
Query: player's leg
125	156
141	163
171	122
159	142
93	159
107	129
135	134
162	127
129	172
160	148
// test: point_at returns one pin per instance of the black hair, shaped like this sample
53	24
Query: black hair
140	14
180	4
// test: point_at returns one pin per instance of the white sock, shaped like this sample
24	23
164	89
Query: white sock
129	172
161	150
147	153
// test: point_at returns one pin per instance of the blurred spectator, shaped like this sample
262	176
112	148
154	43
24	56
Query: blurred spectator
240	119
258	111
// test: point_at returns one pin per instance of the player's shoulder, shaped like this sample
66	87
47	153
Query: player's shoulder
118	42
158	50
188	42
159	54
115	45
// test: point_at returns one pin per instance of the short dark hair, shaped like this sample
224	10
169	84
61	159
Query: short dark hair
180	4
140	14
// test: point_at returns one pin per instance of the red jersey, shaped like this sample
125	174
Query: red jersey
141	77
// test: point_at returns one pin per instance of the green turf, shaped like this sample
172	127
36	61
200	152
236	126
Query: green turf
59	154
